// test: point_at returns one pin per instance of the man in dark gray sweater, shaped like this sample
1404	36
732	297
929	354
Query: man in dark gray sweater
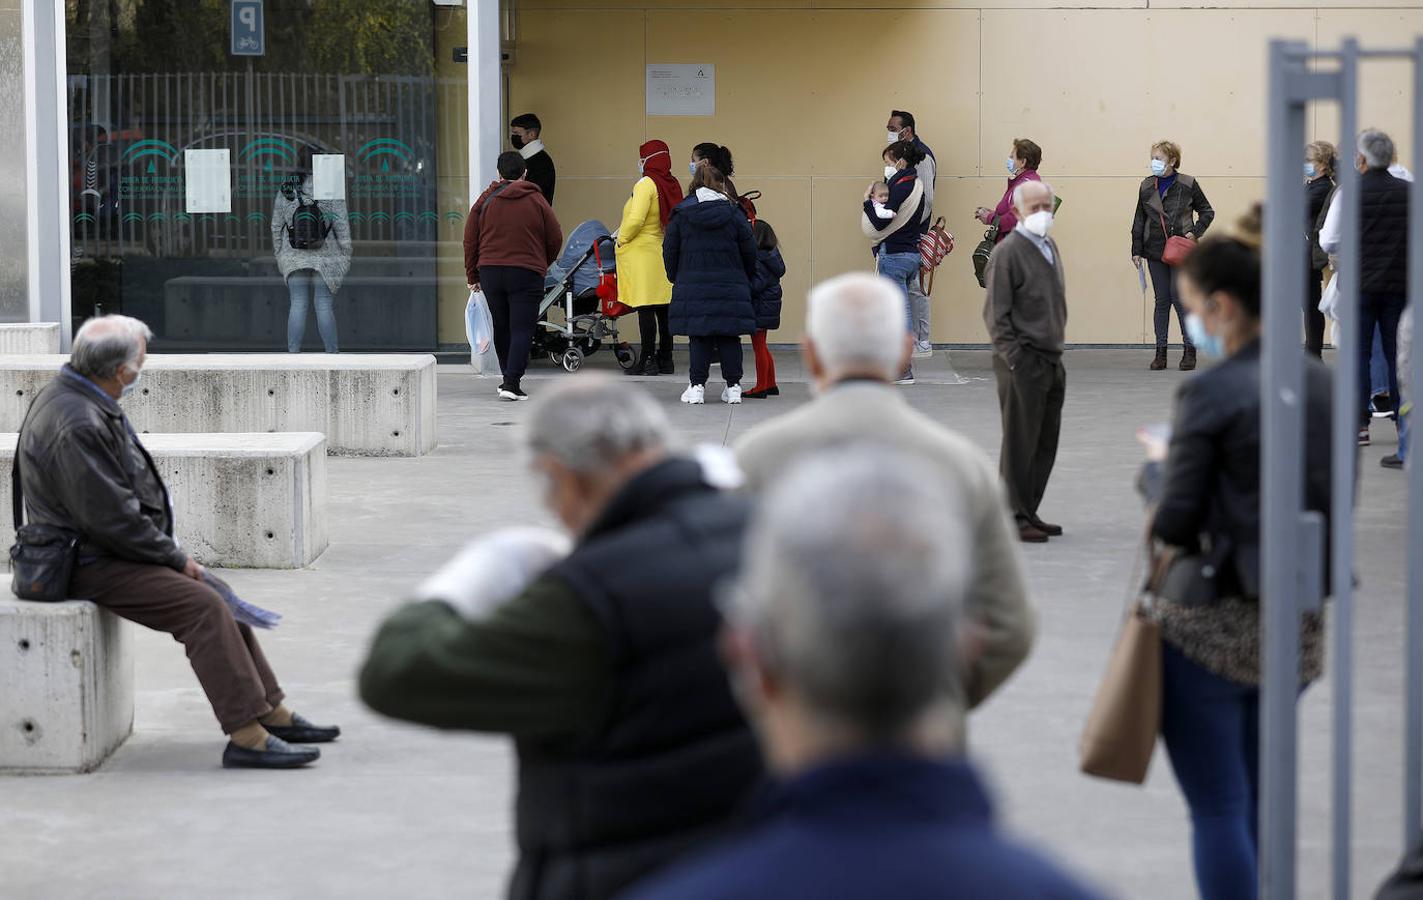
1026	315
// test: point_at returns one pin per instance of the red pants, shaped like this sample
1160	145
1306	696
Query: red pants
765	362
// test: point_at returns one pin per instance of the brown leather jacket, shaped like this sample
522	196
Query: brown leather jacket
83	469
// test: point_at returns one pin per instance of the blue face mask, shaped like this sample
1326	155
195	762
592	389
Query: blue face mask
1158	167
1310	171
692	167
1210	344
1012	166
132	385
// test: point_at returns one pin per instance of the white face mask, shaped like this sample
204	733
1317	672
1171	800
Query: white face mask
890	172
891	137
129	388
1158	167
1012	165
1039	223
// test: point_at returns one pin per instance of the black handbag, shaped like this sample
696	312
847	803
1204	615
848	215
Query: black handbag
1188	579
43	557
983	251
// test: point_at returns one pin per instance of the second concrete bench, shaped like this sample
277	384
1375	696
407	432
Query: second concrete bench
366	405
239	500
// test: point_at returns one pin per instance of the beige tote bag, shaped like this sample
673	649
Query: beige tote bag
1126	714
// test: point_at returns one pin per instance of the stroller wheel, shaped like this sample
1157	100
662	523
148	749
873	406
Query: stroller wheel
626	355
572	359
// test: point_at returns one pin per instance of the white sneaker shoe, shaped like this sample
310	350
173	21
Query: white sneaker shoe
695	394
923	350
732	394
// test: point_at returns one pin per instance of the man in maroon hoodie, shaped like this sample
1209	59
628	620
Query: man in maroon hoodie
510	239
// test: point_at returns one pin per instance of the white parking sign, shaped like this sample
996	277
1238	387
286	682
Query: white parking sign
249	36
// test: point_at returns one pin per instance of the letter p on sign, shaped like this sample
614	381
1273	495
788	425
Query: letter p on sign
249	36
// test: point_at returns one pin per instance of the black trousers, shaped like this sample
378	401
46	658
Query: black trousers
655	323
726	349
1163	284
1313	318
1381	311
513	295
1030	399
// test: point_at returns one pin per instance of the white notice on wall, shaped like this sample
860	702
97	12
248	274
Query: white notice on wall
208	175
681	90
328	176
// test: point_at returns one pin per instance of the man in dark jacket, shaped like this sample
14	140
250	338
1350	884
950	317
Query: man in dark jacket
83	469
710	259
1383	263
602	664
843	640
511	237
524	137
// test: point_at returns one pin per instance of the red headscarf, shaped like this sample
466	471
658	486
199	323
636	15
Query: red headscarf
657	165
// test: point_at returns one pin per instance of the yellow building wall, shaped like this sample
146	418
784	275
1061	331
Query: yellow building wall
803	90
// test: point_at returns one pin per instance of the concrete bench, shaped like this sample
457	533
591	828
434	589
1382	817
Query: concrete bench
366	405
29	337
239	500
66	672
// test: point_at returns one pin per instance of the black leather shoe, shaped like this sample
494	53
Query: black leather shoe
1391	462
278	755
1040	525
665	366
301	731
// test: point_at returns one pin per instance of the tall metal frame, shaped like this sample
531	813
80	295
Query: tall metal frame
1293	540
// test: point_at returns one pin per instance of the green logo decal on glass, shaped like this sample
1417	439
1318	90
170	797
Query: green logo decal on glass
382	149
148	149
264	150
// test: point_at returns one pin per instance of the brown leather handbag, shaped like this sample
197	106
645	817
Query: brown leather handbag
1120	735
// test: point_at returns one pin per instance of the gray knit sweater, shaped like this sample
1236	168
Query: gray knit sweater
1026	305
333	259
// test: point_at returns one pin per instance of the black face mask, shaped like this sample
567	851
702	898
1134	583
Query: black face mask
517	141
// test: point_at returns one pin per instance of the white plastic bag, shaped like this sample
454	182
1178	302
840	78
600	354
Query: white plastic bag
479	328
1329	305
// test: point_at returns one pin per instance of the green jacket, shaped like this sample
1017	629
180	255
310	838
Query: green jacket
538	667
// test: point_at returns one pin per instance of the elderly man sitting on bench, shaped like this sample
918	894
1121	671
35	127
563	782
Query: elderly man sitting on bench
82	468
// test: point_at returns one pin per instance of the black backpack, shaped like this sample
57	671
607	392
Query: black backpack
307	230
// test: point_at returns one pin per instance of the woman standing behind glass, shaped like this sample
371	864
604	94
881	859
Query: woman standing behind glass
1168	203
1319	163
312	241
1207	502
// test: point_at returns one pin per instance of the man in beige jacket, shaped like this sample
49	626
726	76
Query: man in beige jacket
855	345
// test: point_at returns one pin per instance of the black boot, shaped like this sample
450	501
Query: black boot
1159	362
1188	359
664	363
646	365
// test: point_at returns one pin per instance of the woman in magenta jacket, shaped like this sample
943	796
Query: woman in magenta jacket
1022	165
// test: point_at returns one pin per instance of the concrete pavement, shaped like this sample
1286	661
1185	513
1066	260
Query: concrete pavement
393	810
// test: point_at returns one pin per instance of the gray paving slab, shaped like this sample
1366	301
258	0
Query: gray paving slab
393	810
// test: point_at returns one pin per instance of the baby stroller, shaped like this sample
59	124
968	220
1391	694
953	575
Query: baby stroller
582	282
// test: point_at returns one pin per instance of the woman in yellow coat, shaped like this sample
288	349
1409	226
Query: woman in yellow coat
642	278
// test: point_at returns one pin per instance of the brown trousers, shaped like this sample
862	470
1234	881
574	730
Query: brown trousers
225	656
1030	398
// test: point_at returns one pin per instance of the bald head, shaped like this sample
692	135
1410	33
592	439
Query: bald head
1032	196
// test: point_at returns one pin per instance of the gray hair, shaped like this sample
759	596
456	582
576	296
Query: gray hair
108	343
1021	189
1376	148
858	320
855	573
591	421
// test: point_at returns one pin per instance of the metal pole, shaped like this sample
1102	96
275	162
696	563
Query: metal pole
1281	387
1413	692
47	223
1345	452
485	117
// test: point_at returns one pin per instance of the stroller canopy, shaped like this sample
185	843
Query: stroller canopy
585	277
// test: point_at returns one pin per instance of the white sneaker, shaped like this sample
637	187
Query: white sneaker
695	394
732	394
923	350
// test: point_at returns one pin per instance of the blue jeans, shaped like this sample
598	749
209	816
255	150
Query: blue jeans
1378	367
301	284
903	270
1211	729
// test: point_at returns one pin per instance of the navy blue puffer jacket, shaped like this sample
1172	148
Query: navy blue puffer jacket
711	262
766	289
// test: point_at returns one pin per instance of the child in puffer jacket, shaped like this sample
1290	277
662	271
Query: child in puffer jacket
766	295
